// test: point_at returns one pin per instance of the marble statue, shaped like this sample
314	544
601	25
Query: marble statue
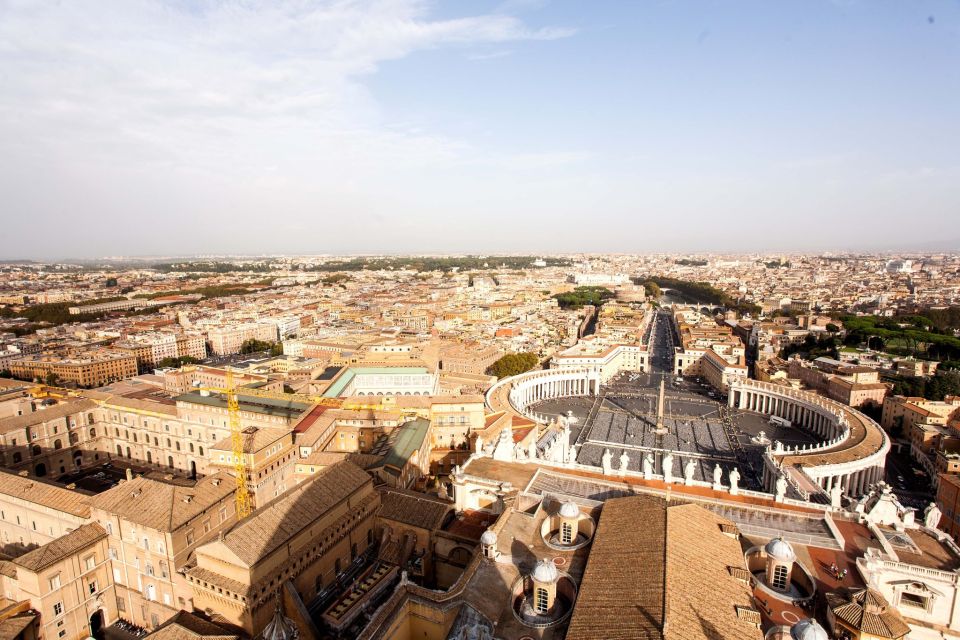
624	461
836	493
931	516
781	488
478	445
648	465
734	481
607	462
667	464
717	476
688	470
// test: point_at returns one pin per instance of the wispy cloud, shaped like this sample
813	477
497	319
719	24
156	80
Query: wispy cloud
220	84
489	55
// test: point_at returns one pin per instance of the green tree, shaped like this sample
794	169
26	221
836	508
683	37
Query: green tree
255	346
52	379
6	373
276	349
512	364
581	296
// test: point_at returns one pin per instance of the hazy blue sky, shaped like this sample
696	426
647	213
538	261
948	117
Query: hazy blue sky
136	127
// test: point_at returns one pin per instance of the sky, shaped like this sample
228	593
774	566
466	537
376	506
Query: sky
181	127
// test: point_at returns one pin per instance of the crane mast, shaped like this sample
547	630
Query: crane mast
242	496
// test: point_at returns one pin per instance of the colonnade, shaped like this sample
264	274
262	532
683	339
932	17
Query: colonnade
522	391
824	418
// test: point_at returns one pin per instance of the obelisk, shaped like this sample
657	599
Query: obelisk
660	429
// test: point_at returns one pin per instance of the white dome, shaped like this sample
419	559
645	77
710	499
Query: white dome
488	538
808	629
569	510
545	572
780	549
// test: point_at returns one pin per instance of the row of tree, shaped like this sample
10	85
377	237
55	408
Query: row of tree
701	292
256	346
581	296
374	264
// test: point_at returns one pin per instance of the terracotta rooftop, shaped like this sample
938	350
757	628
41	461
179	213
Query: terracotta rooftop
661	570
43	493
412	508
277	522
61	548
161	505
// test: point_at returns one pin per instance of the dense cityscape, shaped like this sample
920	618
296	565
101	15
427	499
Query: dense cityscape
487	320
466	446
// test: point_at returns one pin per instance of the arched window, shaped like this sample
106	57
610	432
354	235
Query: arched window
780	577
93	433
170	461
17	457
57	444
541	600
149	458
566	533
119	450
74	438
128	452
89	418
201	450
36	450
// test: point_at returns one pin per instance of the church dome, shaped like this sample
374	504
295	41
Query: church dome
808	629
780	549
569	510
545	572
488	538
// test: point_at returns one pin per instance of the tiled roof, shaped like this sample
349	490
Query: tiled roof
46	494
61	548
161	505
188	626
412	508
277	522
659	570
867	611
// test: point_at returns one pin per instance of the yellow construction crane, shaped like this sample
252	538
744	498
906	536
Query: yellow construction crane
242	496
244	503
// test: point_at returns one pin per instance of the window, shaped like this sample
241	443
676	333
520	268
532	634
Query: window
541	602
110	528
566	533
189	537
913	600
54	582
90	562
58	609
780	577
146	544
121	605
151	592
92	587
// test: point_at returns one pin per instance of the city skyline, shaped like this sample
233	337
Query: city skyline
407	127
